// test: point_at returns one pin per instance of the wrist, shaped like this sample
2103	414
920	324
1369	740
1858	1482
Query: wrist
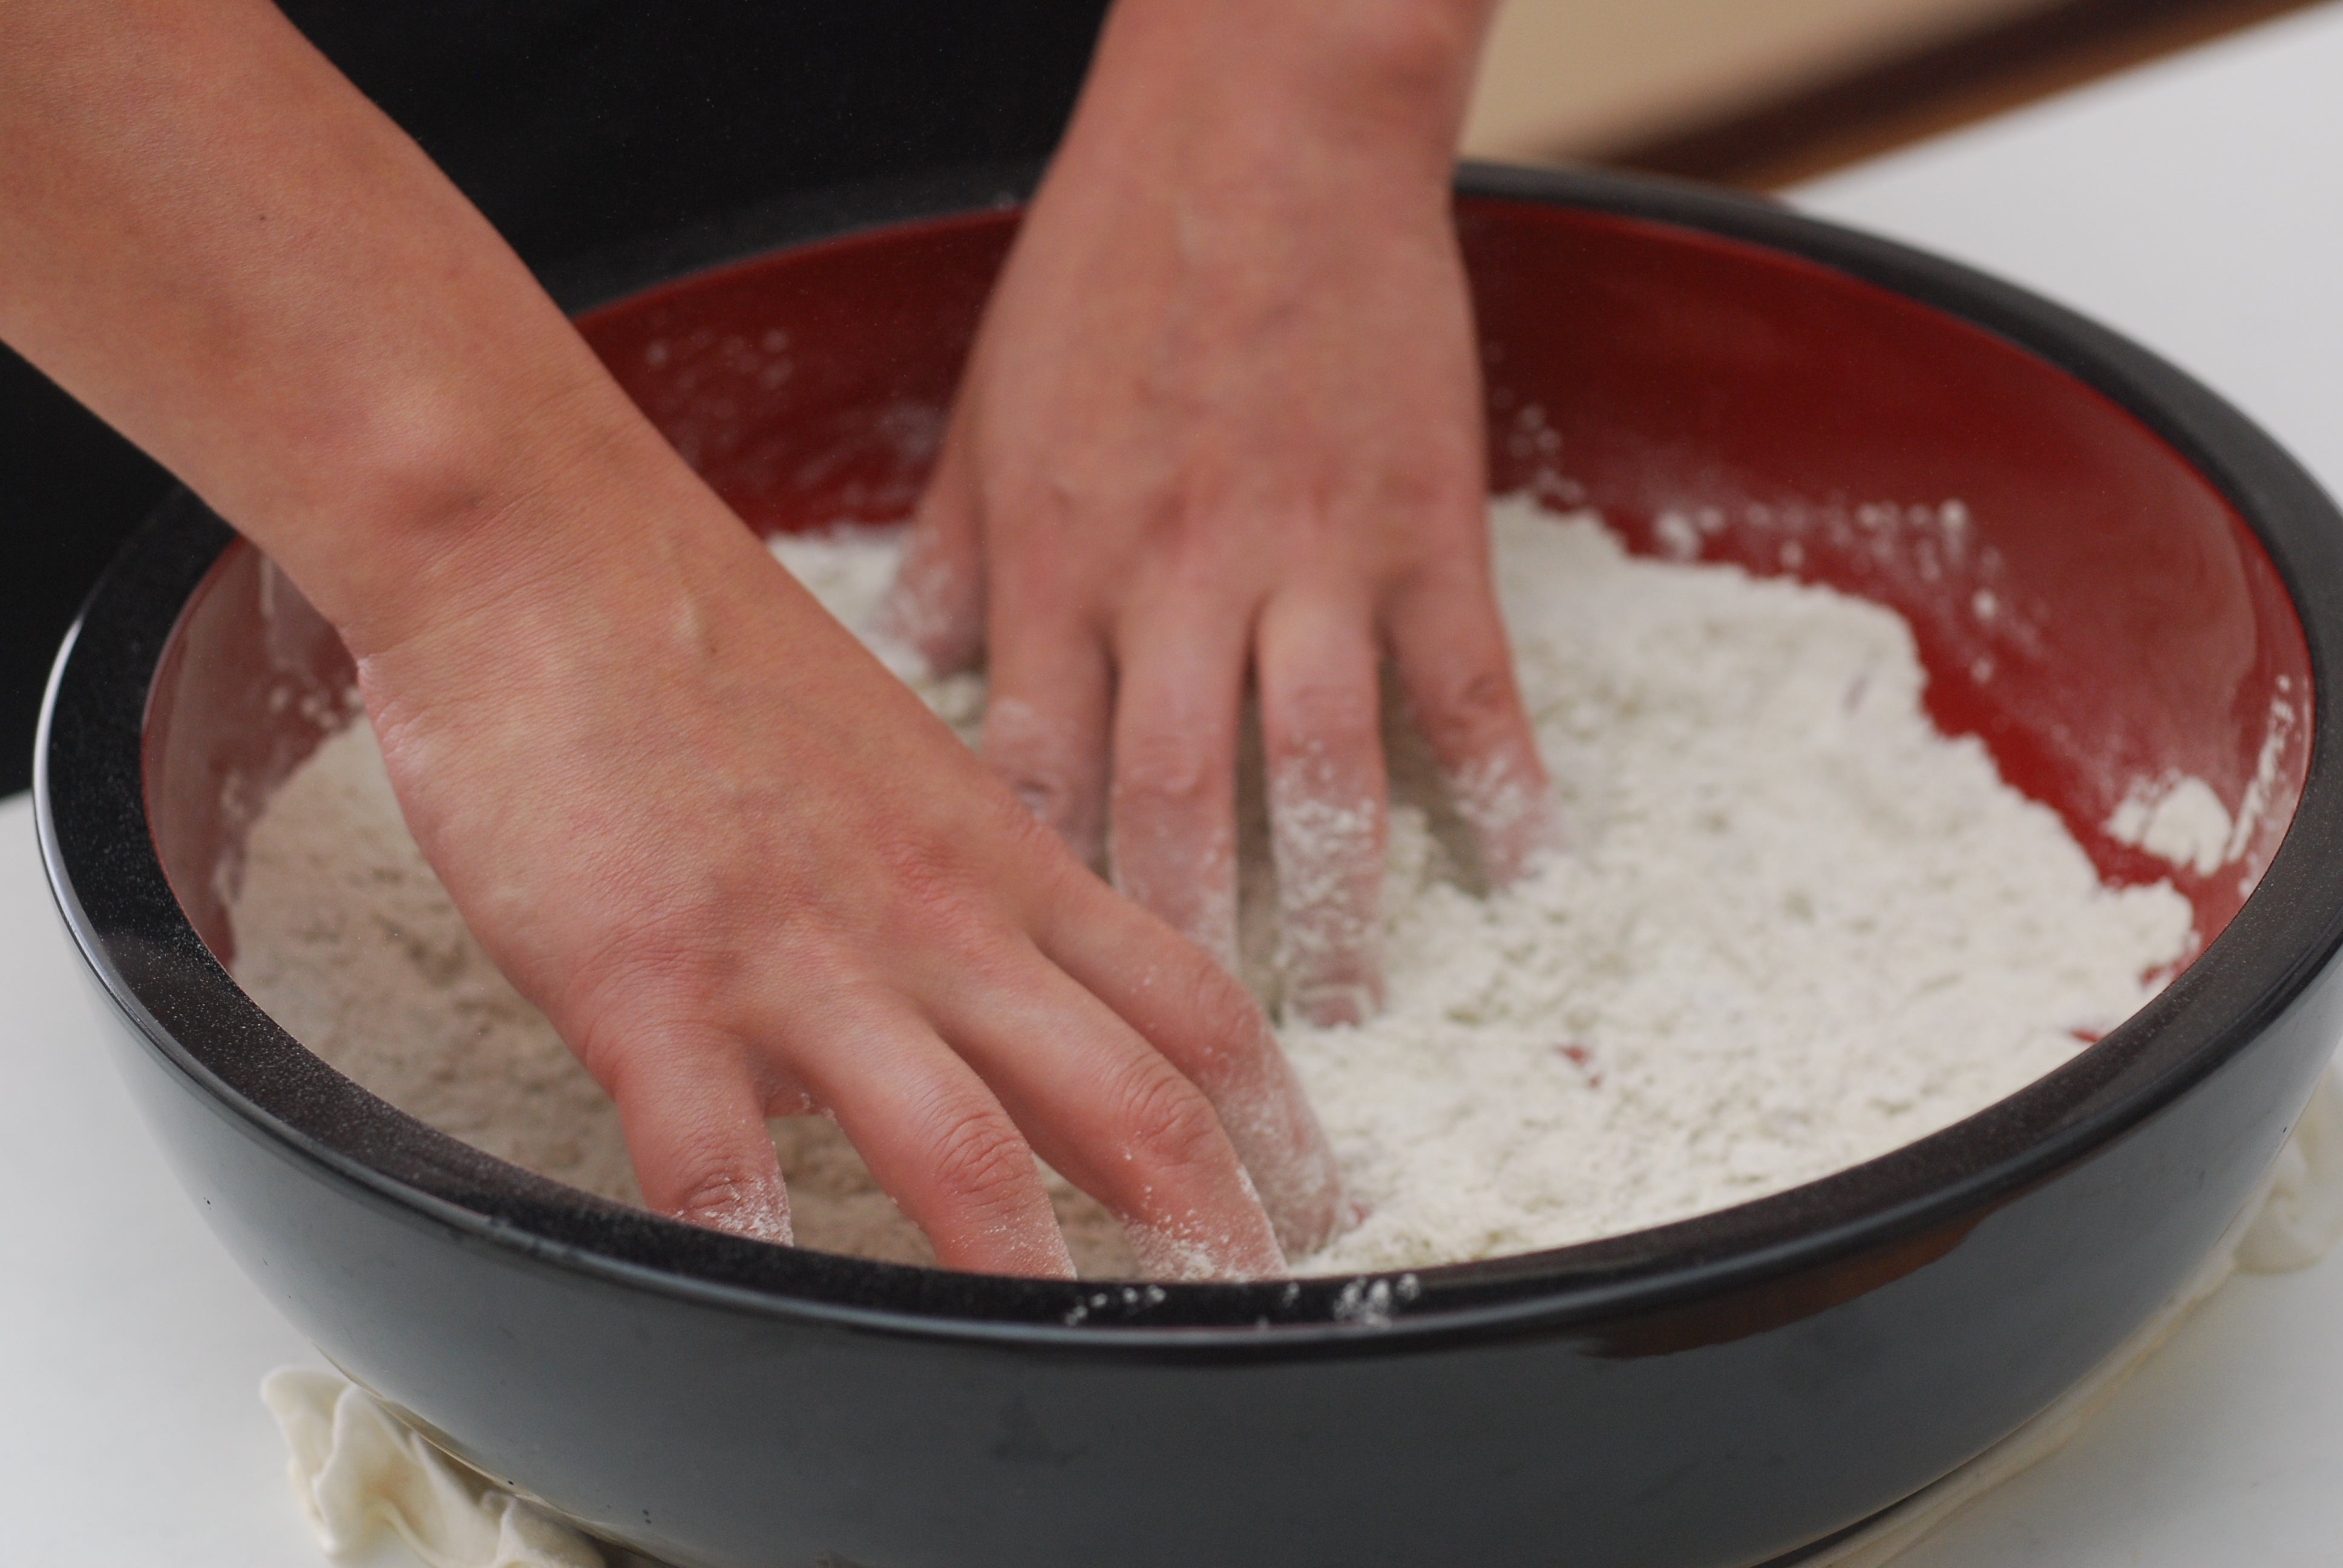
603	560
1388	77
393	477
448	522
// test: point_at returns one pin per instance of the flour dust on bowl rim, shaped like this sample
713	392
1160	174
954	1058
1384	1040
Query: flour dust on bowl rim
1726	379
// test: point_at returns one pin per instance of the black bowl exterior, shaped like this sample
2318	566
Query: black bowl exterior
720	1430
1724	1391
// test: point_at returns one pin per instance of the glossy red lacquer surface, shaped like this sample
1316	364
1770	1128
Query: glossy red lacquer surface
2083	600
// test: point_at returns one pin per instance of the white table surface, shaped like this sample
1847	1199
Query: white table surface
2196	205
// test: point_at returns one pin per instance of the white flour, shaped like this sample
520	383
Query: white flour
1798	928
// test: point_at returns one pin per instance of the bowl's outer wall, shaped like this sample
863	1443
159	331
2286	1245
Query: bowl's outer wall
1711	1395
726	1437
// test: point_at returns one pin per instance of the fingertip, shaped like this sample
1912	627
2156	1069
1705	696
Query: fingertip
756	1208
1508	805
1288	1153
1196	1252
695	1132
1327	1003
1449	644
1209	1028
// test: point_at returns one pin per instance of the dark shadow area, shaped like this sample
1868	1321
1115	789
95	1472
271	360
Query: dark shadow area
576	126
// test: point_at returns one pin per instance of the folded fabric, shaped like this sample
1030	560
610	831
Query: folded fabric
358	1468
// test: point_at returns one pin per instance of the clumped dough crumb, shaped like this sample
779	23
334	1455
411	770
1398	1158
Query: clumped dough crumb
1796	927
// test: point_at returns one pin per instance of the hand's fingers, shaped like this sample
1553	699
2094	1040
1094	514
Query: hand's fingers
1173	812
1448	642
939	1143
936	605
694	1122
1323	749
1115	1118
1206	1025
1045	720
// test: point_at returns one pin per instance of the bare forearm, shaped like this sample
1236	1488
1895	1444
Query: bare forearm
214	241
739	867
1390	73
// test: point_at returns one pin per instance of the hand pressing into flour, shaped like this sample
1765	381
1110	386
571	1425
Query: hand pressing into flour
739	867
1223	419
749	875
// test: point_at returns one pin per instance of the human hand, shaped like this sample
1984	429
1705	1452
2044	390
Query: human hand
745	873
738	866
1224	414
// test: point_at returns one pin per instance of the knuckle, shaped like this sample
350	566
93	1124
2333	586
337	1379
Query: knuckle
1468	705
646	945
989	962
975	1155
935	883
1166	1121
1066	887
1227	1024
1046	846
643	999
1162	772
946	910
1445	495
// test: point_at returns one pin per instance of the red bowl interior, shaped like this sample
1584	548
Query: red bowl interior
2083	600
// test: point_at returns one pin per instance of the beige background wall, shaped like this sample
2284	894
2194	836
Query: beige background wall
1566	78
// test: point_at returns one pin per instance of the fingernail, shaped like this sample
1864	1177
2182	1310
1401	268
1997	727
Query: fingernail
1326	1005
760	1214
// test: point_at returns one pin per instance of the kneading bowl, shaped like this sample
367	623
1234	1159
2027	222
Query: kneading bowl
2113	579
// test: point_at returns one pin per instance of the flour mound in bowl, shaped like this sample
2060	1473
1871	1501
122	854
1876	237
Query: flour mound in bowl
1796	927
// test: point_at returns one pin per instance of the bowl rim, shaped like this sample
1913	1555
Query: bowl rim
108	883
